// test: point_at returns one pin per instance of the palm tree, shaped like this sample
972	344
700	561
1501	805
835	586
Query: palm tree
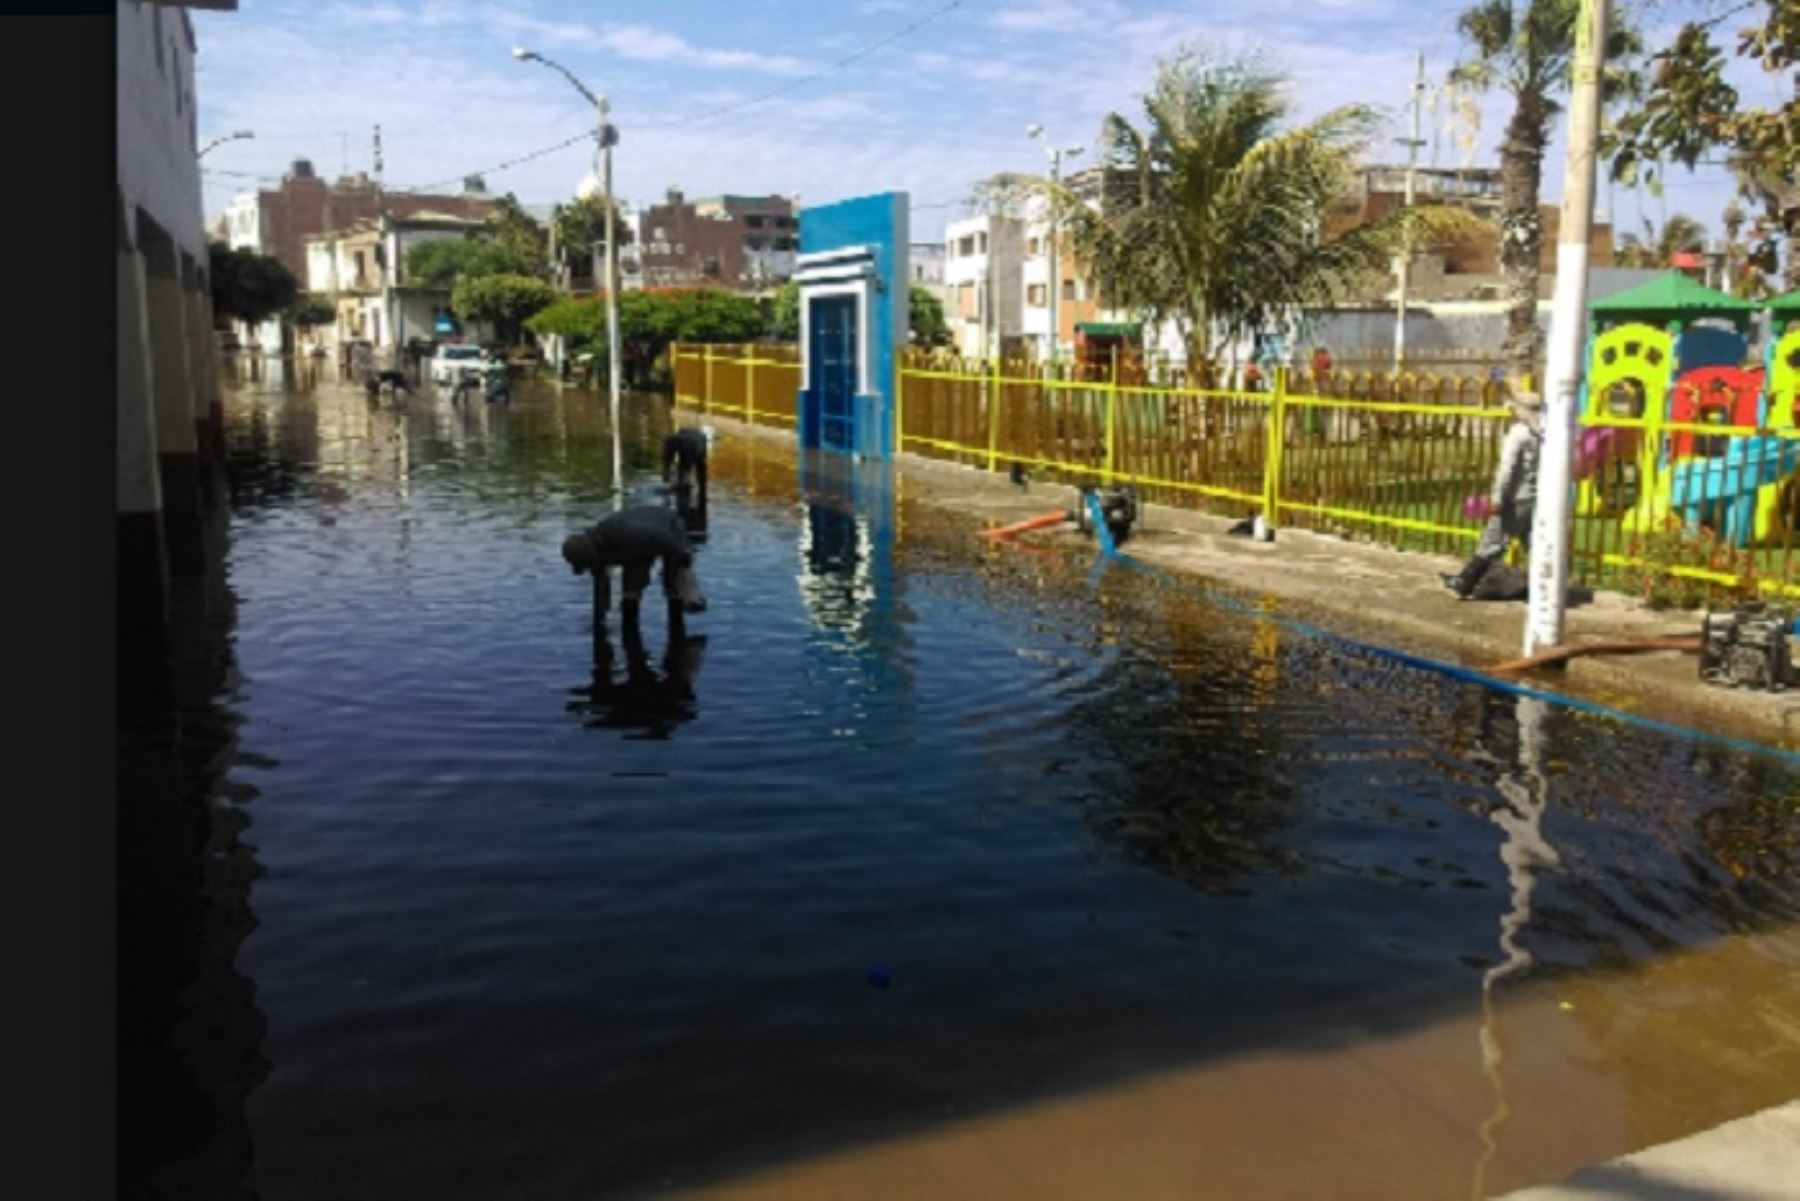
1215	217
1525	48
1658	248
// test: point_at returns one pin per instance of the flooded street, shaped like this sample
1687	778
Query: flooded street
922	867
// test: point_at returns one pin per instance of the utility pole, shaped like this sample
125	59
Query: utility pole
1404	266
607	137
1568	329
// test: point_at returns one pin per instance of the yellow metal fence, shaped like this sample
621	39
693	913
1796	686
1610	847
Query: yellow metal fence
1402	462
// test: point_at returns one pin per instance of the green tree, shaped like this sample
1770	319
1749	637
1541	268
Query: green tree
784	313
1692	112
1214	216
925	318
440	263
247	286
581	232
1657	248
1526	48
311	310
504	300
519	233
649	321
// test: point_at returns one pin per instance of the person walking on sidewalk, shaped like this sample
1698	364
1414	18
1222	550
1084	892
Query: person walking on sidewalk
1514	496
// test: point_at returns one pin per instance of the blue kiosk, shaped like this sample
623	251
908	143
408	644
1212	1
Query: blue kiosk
854	280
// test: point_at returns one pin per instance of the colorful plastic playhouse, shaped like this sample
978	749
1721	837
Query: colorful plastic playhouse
1671	352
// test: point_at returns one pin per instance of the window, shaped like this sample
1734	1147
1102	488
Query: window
362	271
1069	290
657	235
966	247
1034	247
981	242
710	267
1037	295
753	221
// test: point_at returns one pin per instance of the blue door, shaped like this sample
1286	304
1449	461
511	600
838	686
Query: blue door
833	370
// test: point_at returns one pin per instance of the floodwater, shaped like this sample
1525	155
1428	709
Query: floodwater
919	867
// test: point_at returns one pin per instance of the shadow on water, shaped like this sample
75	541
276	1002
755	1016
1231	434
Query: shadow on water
1096	827
190	1031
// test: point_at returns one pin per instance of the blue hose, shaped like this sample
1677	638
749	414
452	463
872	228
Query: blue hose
1453	671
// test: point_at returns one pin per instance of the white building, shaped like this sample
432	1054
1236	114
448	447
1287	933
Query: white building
927	259
363	269
168	402
982	261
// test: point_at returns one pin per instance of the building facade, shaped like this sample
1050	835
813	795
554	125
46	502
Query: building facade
169	407
363	270
278	221
744	243
983	283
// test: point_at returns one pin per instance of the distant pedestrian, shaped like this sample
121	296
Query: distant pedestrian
1514	496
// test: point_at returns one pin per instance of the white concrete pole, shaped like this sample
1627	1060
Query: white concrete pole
1404	266
612	306
1568	329
1055	329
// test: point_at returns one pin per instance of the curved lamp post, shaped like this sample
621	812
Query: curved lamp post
606	136
230	137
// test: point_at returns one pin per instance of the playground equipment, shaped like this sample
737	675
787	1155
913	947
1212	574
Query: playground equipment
1671	352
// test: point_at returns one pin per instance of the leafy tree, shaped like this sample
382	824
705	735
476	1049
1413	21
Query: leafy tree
1526	48
504	300
440	263
925	317
247	286
1215	216
581	232
649	321
784	314
1692	111
519	233
1658	248
310	310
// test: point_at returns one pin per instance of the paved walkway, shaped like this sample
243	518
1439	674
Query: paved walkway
1752	1159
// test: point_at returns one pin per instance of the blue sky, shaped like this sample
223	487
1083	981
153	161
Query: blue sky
928	114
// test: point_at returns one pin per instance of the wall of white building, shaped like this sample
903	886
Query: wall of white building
157	123
975	296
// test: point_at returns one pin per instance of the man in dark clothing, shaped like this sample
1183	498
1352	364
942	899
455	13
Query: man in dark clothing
633	540
684	468
684	457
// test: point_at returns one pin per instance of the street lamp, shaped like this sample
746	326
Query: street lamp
230	137
1056	157
606	136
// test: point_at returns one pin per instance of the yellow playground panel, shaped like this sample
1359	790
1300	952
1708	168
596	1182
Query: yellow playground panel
1781	400
1634	363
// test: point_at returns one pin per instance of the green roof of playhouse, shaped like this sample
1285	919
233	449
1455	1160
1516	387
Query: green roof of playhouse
1672	296
1786	306
1110	329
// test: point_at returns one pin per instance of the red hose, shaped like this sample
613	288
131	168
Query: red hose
1041	521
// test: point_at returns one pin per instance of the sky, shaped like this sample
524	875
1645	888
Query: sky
756	96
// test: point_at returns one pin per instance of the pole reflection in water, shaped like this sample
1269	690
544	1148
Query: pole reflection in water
1525	852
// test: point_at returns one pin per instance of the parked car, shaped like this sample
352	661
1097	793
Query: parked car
451	360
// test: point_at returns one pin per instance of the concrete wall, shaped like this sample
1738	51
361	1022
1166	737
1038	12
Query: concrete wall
170	449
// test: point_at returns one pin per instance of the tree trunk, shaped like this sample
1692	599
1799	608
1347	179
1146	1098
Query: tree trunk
1521	231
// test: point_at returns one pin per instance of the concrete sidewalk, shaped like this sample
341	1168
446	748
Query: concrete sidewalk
1752	1159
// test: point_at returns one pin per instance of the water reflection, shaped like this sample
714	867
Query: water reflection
1525	853
190	1029
642	699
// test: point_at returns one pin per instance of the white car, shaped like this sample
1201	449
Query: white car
451	361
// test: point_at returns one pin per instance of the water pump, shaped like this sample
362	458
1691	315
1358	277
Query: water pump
1747	648
1118	509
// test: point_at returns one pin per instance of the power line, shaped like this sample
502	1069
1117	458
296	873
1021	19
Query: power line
838	64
